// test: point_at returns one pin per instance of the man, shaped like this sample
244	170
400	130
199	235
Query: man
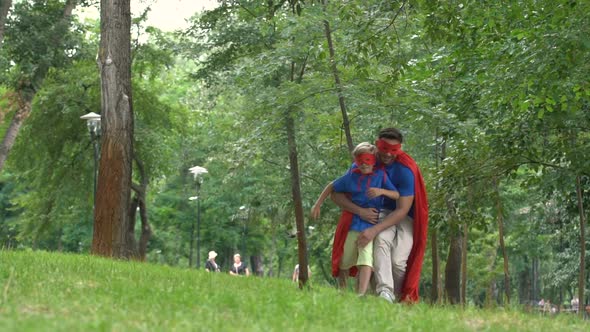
400	238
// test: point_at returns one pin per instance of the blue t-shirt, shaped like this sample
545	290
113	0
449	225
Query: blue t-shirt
402	178
357	185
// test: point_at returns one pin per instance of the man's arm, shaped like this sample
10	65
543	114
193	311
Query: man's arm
403	206
368	214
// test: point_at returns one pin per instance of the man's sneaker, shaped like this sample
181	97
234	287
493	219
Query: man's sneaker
387	296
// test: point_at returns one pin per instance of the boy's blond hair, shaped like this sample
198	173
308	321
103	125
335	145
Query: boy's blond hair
364	147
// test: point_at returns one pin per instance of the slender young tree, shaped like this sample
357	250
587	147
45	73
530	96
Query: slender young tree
581	277
111	215
500	218
339	89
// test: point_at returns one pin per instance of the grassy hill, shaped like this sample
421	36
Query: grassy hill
43	291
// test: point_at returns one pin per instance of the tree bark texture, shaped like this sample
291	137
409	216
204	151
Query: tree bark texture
453	268
111	217
257	265
581	278
27	88
500	219
524	287
454	258
139	248
296	181
4	8
436	289
464	264
130	241
296	193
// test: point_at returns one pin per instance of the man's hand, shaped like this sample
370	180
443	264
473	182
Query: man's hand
369	214
365	237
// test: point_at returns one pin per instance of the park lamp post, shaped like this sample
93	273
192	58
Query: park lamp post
93	123
197	172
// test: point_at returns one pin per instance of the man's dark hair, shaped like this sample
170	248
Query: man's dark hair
391	133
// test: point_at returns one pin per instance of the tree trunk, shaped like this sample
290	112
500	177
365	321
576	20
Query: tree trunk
23	112
491	290
28	88
436	289
257	266
4	8
453	268
146	230
273	245
464	264
581	277
345	121
535	281
500	218
130	241
524	287
111	217
296	193
139	248
464	251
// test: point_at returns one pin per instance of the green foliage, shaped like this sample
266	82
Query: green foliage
483	91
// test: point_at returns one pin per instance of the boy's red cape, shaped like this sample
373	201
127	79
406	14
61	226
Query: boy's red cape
414	265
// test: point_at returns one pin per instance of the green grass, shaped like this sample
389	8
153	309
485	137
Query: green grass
43	291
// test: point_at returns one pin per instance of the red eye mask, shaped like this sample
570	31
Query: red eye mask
384	147
365	158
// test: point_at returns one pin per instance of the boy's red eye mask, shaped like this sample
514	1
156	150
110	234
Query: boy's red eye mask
365	158
384	147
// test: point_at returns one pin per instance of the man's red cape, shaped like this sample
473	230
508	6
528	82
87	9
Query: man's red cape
416	258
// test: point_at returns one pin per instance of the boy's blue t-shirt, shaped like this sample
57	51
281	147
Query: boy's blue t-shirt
402	178
357	185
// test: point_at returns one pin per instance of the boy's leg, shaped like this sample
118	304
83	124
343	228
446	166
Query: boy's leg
365	267
364	278
349	258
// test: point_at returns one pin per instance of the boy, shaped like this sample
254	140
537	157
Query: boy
366	185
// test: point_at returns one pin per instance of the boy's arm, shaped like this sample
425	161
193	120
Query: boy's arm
315	210
376	192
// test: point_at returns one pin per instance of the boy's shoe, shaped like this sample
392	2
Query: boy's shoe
387	296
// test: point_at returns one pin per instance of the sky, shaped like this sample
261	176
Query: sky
166	15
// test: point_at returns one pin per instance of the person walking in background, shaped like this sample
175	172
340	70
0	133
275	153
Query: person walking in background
575	304
211	265
295	276
239	267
